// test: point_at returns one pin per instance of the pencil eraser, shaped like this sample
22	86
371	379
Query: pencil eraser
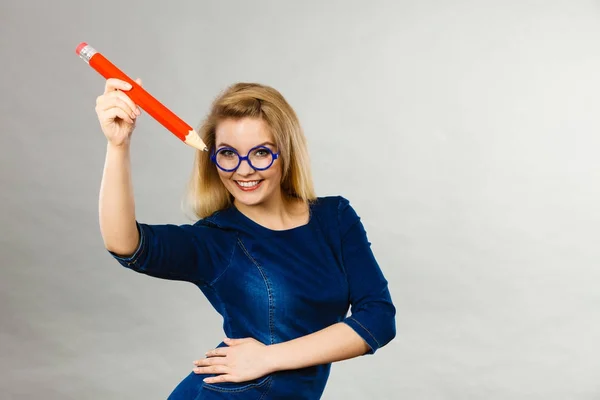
80	47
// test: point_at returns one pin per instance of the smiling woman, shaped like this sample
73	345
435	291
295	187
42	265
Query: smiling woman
243	117
279	264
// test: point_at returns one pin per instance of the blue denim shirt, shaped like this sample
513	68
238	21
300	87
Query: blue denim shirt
274	286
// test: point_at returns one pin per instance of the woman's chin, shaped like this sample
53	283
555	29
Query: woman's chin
251	198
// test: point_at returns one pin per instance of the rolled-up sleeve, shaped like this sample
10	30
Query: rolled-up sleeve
372	311
194	253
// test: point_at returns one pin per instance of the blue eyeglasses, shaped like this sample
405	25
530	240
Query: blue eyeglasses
259	158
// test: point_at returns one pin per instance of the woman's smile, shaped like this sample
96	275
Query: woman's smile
248	186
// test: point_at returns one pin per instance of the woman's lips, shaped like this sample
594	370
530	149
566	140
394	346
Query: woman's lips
249	188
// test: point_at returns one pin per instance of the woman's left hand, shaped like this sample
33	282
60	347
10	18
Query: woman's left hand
243	360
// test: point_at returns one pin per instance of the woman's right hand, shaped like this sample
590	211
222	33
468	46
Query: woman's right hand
116	112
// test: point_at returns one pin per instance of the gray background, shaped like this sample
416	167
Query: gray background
464	133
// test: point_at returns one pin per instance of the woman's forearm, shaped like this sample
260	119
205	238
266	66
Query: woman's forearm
116	203
335	343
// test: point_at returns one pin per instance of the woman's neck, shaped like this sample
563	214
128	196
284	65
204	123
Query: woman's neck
279	212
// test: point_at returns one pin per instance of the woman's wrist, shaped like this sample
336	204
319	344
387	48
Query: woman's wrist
123	147
273	357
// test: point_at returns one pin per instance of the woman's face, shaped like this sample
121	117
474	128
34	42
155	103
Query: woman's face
249	187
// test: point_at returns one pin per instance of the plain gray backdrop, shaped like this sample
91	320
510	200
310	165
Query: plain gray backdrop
464	133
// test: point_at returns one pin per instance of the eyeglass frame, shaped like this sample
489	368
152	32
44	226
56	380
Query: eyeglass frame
213	158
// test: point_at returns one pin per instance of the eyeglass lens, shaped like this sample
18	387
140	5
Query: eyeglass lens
259	158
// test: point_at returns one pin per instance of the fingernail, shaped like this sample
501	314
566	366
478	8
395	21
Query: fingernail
127	85
137	111
133	115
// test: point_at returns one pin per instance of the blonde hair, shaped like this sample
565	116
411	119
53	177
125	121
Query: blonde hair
205	192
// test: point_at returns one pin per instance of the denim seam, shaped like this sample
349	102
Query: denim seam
214	281
142	249
269	290
341	243
137	254
368	331
343	237
224	312
268	388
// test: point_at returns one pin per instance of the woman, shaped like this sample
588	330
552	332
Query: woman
280	265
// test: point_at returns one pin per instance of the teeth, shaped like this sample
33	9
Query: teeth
248	184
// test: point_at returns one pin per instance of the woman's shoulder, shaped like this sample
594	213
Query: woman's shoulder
341	207
334	207
221	219
335	201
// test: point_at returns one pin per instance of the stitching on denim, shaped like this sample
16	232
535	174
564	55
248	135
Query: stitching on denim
343	238
269	290
138	252
224	312
195	398
339	239
368	331
267	389
240	389
209	221
143	248
214	281
339	211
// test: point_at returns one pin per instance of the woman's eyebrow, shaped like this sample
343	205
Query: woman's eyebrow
228	145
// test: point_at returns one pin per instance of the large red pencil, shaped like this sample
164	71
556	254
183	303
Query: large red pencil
142	98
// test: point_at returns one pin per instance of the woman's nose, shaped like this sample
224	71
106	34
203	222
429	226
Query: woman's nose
245	168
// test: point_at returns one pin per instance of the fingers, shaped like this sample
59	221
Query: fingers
113	84
210	361
118	99
218	352
233	342
220	379
139	82
115	104
213	369
114	112
116	87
